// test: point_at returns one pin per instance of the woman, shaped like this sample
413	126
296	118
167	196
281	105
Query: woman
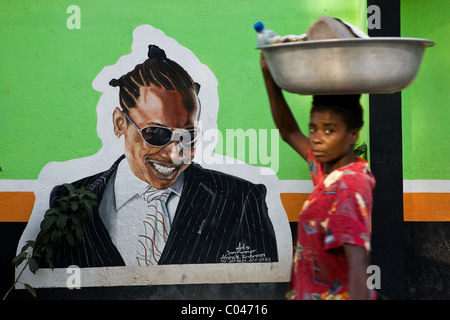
333	234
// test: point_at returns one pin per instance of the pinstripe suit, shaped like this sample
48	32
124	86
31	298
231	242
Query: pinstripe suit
219	218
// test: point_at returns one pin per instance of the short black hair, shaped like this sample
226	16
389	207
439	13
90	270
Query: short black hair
157	70
346	105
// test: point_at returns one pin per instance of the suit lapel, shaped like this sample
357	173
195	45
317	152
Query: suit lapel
97	249
98	185
99	244
192	215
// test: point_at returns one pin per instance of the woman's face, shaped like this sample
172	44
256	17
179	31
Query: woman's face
159	166
331	141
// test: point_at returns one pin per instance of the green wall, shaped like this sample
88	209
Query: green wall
47	101
425	104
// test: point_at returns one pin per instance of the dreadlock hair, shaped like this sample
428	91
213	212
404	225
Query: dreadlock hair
347	106
157	70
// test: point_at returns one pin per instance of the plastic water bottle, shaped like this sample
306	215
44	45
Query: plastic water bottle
264	35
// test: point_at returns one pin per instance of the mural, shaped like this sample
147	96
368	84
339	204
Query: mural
67	96
166	201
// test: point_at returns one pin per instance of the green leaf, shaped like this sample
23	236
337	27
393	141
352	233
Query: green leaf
56	236
75	221
69	187
61	221
89	194
74	205
52	211
28	244
92	196
30	289
64	221
44	237
47	252
50	263
70	239
64	204
79	233
361	150
33	265
17	260
47	222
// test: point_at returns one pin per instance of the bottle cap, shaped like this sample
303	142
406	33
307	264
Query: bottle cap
258	26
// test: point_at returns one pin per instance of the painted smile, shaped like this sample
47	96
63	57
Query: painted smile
163	169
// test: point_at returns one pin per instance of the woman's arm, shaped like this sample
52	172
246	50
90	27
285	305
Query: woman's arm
282	115
357	278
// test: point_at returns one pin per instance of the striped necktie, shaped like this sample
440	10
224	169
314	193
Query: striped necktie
155	227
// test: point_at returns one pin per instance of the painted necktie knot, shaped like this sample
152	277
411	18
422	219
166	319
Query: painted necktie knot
155	227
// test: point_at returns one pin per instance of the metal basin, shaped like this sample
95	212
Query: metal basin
345	66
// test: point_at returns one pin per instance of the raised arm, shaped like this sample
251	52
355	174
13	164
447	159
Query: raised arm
282	115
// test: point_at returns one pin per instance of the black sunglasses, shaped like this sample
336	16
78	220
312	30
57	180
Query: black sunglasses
158	136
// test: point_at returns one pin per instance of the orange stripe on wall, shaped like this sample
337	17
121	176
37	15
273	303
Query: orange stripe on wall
293	203
16	206
417	206
426	207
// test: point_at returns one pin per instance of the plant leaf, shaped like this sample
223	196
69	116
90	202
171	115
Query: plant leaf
74	205
47	252
47	222
28	244
56	236
30	289
79	233
52	211
69	187
64	204
33	265
70	239
17	260
361	149
61	221
91	195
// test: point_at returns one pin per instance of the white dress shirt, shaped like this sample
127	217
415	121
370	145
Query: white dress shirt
122	209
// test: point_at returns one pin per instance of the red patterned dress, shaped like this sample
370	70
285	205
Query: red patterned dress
337	212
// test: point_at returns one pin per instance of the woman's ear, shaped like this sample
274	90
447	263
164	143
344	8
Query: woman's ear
119	122
354	136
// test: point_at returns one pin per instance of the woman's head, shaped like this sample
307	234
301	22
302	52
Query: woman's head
334	128
345	106
157	97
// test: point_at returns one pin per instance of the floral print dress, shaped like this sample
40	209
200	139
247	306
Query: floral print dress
337	212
